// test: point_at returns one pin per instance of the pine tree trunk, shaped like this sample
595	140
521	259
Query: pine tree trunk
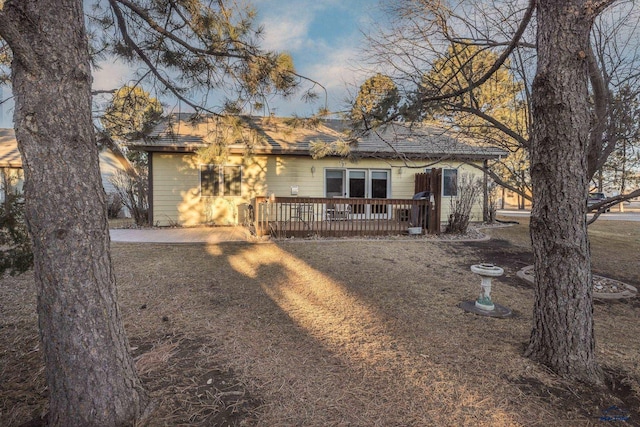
563	335
90	375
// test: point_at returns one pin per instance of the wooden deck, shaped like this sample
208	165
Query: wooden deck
284	217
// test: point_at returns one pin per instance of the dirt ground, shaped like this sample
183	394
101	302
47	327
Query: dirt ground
342	333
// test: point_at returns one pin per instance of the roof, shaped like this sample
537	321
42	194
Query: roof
291	136
9	154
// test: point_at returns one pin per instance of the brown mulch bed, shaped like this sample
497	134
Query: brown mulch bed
340	333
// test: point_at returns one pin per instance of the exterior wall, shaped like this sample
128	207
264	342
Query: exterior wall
510	200
470	171
176	191
285	172
109	166
176	186
14	178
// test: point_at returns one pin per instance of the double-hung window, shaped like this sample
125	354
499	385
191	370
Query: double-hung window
450	182
216	180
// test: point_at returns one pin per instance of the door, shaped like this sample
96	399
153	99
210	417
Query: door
357	186
360	184
380	190
334	183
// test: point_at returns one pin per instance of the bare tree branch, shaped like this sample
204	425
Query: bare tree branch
500	181
603	206
499	62
495	122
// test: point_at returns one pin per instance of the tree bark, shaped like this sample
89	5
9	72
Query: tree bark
563	335
90	375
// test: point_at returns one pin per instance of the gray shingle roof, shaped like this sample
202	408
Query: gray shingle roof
280	136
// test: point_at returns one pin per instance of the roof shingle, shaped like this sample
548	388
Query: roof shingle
279	136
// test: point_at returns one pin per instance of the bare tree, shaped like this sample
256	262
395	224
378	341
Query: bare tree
569	57
420	41
90	375
468	191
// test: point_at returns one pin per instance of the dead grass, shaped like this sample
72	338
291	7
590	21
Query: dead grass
340	333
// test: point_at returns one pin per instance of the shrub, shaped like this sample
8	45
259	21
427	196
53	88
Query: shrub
468	190
114	205
16	255
133	193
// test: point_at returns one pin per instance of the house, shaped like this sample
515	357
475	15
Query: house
11	163
267	156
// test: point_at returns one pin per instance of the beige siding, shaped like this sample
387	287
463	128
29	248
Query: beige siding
463	169
109	167
284	172
176	188
13	178
176	191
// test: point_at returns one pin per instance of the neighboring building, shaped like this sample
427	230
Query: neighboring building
512	200
272	156
11	162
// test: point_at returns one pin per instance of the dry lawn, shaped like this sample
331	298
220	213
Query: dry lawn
341	333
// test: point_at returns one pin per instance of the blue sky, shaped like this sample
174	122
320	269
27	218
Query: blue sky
323	36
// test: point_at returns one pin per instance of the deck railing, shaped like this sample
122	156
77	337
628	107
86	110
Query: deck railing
283	217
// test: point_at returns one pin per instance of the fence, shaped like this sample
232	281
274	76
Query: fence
431	182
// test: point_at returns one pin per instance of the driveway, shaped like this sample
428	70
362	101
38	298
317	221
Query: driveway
180	235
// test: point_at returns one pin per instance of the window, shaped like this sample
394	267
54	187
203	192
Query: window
220	180
379	184
450	182
334	182
379	190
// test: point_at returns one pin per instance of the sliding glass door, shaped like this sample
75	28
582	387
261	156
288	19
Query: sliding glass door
380	190
334	183
360	183
358	189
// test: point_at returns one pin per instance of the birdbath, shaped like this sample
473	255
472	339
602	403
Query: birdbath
486	273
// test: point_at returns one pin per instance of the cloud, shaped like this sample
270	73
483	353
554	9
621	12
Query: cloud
287	23
338	72
111	75
286	32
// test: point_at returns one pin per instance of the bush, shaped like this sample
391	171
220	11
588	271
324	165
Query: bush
468	190
16	255
114	205
133	192
493	203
